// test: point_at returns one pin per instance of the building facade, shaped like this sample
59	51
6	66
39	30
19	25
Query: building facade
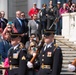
11	6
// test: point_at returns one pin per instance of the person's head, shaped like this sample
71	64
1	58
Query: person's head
32	48
73	5
34	5
32	37
69	0
51	2
49	36
69	3
18	14
44	5
15	39
7	36
58	4
64	6
3	14
9	26
35	17
22	15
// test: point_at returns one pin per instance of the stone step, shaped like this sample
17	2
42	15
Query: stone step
67	61
68	52
58	43
63	41
64	46
69	55
64	69
65	66
65	49
68	73
68	58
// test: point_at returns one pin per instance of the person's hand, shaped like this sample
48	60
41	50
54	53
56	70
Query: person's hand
71	67
22	34
29	64
34	54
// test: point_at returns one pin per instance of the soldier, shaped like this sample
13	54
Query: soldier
50	56
17	56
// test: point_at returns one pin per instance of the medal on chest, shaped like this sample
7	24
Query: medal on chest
49	54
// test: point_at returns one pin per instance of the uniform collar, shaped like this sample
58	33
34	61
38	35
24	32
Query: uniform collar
49	45
16	46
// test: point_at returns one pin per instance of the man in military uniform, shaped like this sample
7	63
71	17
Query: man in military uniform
50	56
17	56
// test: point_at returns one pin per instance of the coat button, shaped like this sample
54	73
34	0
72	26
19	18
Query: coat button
42	59
10	60
43	55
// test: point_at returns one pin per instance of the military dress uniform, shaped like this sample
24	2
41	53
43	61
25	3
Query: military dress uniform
17	60
50	60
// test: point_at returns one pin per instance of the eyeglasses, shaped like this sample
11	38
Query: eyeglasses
22	15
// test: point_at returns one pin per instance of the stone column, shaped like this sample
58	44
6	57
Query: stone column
65	25
72	27
69	26
4	7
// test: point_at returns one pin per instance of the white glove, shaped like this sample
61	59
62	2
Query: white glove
29	64
71	67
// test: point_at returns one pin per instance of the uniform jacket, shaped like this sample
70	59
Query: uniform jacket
51	56
17	57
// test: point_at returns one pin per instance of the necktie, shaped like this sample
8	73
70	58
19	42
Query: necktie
20	22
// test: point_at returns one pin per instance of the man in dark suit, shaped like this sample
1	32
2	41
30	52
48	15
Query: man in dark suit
4	19
19	24
25	22
2	24
17	56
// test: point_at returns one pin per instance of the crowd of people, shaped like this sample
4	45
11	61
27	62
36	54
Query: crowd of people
20	40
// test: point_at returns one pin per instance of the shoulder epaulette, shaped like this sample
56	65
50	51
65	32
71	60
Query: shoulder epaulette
56	46
24	49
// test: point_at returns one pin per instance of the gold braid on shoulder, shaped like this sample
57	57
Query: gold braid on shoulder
56	46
